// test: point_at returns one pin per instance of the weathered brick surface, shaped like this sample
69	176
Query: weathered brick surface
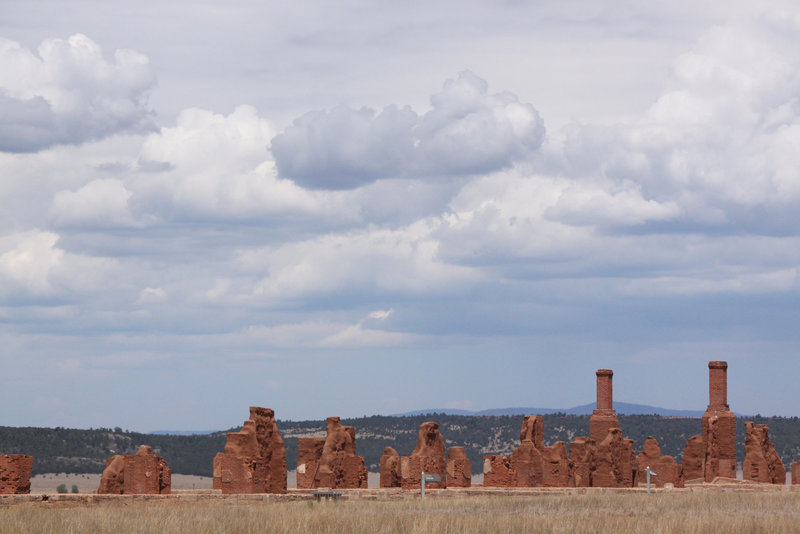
555	462
309	451
15	473
459	468
390	469
719	426
143	473
338	465
666	469
796	472
428	457
497	471
604	418
761	462
254	460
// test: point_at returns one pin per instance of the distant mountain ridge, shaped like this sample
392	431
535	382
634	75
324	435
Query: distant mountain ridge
623	408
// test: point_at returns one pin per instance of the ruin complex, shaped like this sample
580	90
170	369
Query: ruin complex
254	460
15	473
459	468
761	461
335	463
143	473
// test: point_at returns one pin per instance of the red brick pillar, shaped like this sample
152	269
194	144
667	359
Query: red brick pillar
718	385
605	390
719	426
604	417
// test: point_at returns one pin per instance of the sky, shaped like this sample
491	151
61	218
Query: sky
338	208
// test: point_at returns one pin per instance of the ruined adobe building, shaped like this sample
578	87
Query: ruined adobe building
331	462
143	473
719	426
604	459
712	453
15	473
761	462
666	469
525	467
796	472
390	469
254	460
459	468
428	457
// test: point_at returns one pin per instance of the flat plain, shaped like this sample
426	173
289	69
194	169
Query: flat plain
694	512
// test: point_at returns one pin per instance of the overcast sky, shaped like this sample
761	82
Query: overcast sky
329	208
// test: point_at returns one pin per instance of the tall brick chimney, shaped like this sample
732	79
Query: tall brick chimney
604	417
717	385
605	389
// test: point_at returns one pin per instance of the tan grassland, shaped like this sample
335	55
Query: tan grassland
698	512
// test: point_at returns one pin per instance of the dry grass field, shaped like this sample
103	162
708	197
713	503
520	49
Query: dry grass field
673	512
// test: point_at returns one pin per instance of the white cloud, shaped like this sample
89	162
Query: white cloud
32	263
370	261
27	260
468	131
381	315
152	295
100	202
68	93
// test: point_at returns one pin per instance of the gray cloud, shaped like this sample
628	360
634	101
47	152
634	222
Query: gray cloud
467	132
68	94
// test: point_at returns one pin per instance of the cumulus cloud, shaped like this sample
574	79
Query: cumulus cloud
375	260
32	263
217	165
721	141
100	202
67	93
468	131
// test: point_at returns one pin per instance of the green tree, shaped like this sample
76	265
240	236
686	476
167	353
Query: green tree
61	488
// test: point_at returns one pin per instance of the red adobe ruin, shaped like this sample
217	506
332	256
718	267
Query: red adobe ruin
712	453
254	460
15	473
525	467
666	469
143	473
604	418
428	457
761	462
335	464
459	468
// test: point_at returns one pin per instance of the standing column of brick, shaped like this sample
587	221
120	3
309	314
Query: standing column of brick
604	417
719	426
605	389
718	385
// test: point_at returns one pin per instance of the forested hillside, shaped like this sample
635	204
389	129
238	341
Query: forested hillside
85	451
